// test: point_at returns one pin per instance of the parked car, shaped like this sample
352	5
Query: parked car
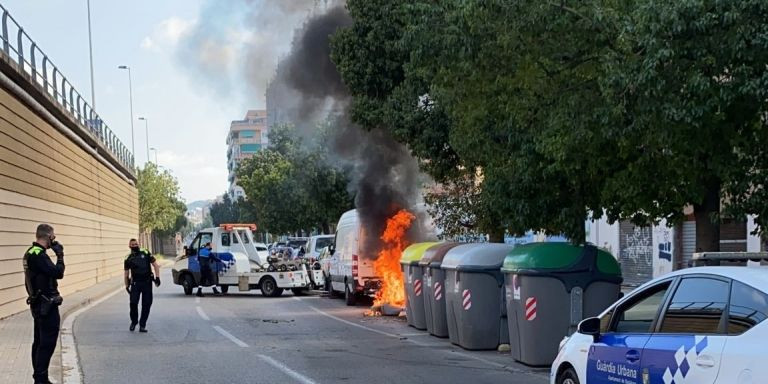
700	325
324	263
276	244
315	245
348	272
296	243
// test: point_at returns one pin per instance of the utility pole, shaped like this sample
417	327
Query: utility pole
90	49
130	101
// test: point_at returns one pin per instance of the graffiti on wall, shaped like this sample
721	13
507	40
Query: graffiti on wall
663	249
637	246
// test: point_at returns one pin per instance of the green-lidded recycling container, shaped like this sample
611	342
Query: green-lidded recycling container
414	287
550	288
474	295
434	288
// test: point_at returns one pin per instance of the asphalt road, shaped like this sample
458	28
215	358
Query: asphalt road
246	338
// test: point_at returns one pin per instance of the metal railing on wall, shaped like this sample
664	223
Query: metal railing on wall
18	46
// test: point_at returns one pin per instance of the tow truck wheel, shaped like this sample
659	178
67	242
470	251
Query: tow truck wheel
269	287
568	377
224	289
349	296
188	283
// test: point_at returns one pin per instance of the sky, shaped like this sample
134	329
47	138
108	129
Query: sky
186	69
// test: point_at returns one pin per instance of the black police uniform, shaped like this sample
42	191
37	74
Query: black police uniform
44	300
140	265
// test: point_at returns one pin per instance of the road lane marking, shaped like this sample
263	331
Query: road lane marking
70	362
423	345
229	336
202	314
355	324
290	372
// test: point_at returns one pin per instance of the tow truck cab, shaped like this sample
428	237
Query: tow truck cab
238	264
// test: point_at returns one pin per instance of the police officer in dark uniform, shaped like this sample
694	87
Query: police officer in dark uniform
138	282
40	276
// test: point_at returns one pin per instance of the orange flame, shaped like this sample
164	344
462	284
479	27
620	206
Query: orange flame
387	265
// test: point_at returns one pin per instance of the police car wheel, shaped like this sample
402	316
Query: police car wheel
568	377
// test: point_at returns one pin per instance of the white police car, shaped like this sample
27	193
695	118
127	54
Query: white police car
699	325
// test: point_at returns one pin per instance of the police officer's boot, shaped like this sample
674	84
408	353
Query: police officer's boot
199	292
216	291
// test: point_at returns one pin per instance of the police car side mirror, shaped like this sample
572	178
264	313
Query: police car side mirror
590	326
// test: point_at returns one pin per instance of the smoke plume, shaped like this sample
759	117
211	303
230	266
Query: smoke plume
236	40
243	39
385	176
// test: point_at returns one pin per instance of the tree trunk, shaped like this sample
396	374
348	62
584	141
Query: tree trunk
707	229
580	234
496	236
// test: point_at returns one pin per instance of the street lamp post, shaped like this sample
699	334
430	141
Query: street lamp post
155	150
90	50
146	131
130	99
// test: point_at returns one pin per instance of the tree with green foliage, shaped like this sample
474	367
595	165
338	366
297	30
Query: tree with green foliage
571	109
690	81
224	211
160	206
466	95
290	185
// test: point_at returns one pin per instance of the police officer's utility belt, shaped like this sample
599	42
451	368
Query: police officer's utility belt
46	303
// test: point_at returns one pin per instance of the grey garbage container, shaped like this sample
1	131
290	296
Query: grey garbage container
550	288
414	285
475	307
434	288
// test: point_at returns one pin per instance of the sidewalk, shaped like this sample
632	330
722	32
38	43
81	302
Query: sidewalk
16	334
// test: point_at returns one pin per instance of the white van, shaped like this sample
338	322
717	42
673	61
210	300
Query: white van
349	271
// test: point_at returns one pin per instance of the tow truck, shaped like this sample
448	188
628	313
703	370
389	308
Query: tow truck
237	263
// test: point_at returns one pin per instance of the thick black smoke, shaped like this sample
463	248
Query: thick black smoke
386	177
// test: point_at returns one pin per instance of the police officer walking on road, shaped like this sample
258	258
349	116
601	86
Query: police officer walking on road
205	257
40	276
138	283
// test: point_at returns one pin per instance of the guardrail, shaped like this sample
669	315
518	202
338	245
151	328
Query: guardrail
20	48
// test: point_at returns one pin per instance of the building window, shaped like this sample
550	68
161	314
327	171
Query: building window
246	134
249	148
